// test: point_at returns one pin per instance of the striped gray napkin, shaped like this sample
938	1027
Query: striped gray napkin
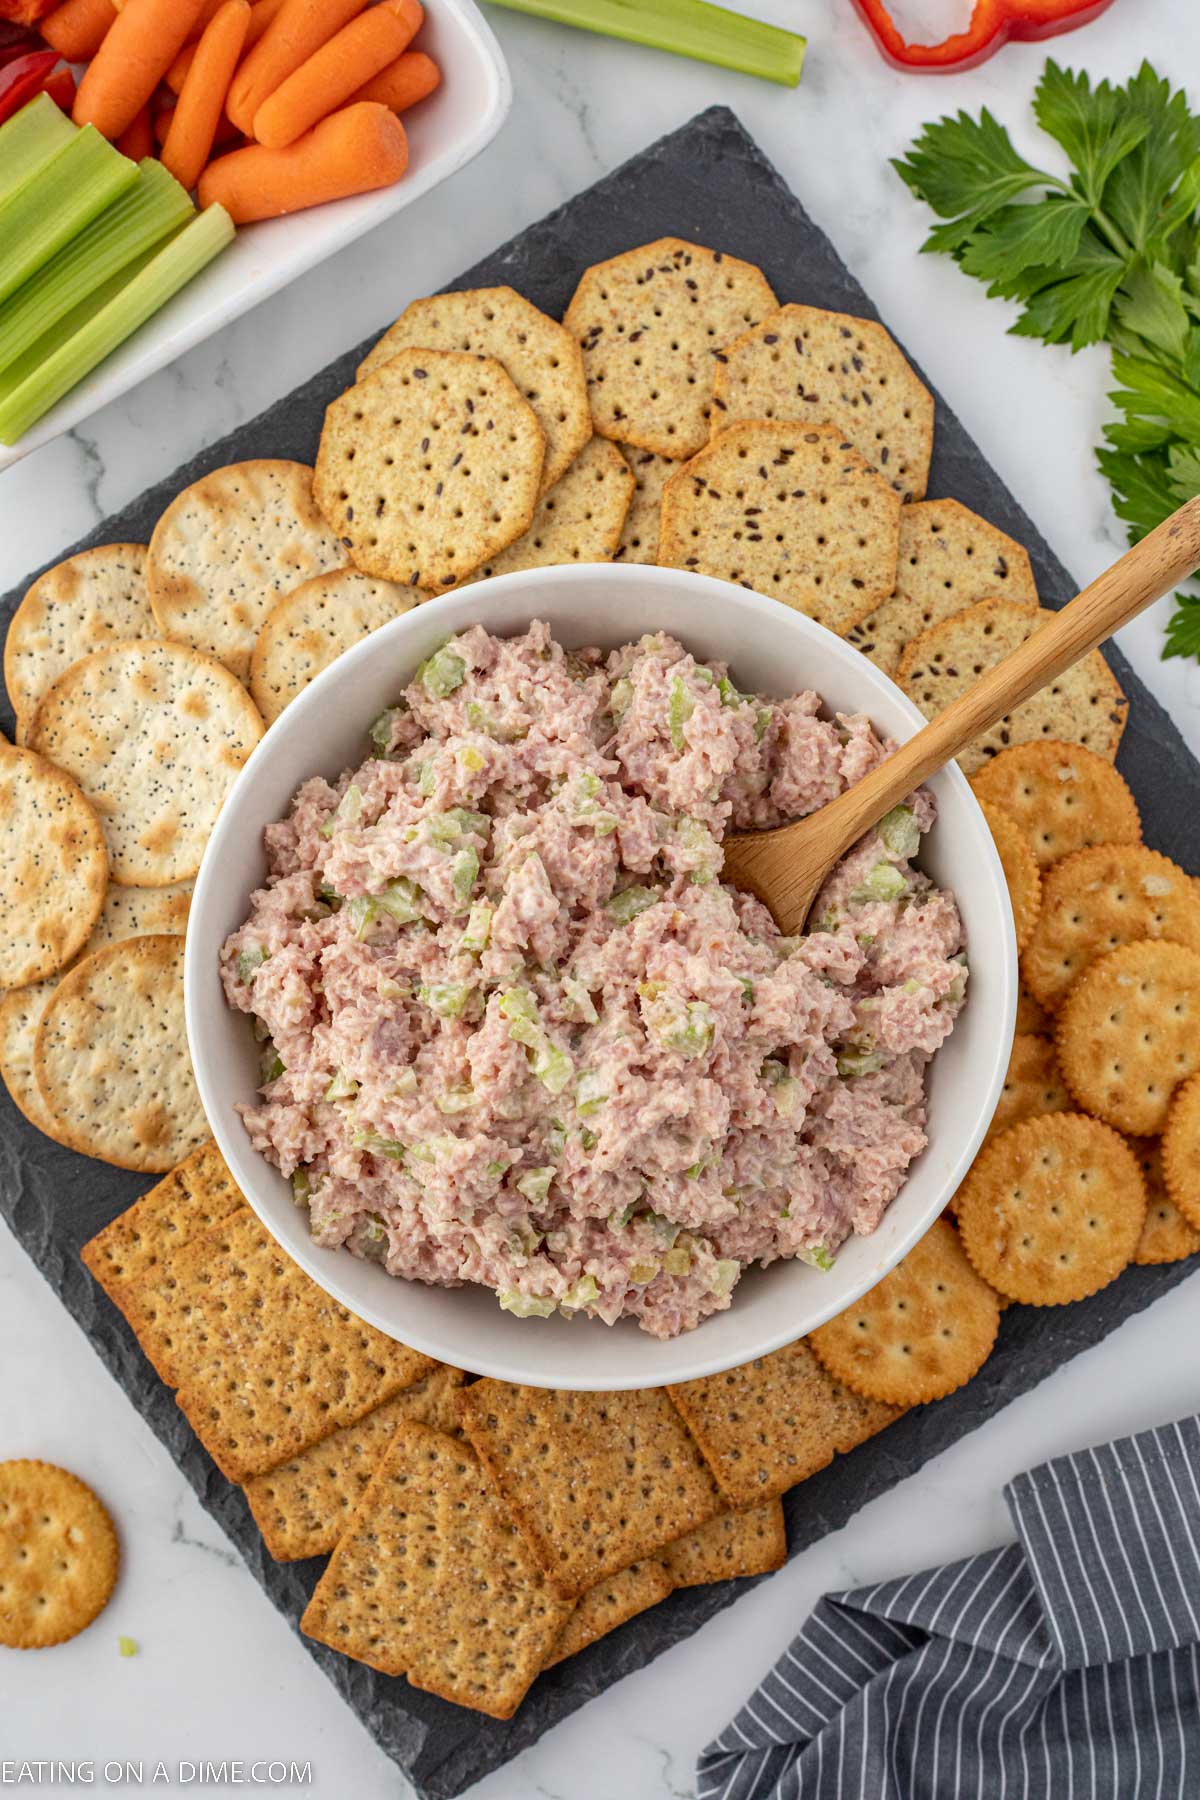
1064	1665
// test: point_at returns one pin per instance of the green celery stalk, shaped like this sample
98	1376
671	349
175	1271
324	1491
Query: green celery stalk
47	211
108	323
153	206
29	139
710	34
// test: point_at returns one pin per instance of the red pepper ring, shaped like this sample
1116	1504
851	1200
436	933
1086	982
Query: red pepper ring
992	23
21	79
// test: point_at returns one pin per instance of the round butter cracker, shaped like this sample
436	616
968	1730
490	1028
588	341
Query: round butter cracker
1167	1236
1021	874
1181	1151
58	1555
1064	797
1129	1032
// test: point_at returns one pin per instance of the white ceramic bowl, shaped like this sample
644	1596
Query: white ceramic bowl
444	133
770	649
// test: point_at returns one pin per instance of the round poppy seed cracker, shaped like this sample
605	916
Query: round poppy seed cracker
141	912
20	1015
1129	1032
111	1057
228	547
639	534
429	466
1033	1085
1021	872
1181	1151
830	368
1167	1236
74	608
790	511
1098	898
920	1333
1052	1209
54	870
1083	706
58	1555
949	558
154	735
541	355
649	323
310	628
1064	797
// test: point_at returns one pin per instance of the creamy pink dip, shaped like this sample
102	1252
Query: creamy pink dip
516	1031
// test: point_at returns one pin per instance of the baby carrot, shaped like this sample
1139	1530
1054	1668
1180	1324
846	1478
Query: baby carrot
261	14
299	28
138	49
137	140
359	51
76	29
194	123
351	151
412	77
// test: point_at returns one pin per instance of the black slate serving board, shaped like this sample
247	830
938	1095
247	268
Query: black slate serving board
707	181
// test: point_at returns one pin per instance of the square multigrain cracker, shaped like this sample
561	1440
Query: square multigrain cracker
433	1581
639	534
829	368
649	322
541	355
774	1422
312	626
594	1481
748	1541
72	609
610	1603
949	558
793	512
429	466
197	1194
303	1507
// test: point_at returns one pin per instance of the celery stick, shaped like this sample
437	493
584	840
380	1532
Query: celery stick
109	324
136	221
29	139
44	214
692	28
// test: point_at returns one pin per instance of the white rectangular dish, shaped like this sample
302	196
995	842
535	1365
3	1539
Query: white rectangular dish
447	131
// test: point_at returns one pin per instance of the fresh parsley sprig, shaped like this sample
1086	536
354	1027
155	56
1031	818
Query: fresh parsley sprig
1110	254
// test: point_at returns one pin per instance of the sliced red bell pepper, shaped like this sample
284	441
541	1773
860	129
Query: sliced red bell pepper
22	79
61	88
992	23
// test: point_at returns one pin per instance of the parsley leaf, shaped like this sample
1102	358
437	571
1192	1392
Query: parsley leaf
965	169
1183	628
1090	124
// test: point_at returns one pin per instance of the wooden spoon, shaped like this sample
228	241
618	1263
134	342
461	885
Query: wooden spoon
786	867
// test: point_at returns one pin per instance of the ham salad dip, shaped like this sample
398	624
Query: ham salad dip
515	1030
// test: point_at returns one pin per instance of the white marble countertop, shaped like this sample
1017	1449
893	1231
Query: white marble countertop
219	1676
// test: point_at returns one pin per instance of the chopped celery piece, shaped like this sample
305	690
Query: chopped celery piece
577	1000
444	671
587	1137
552	1066
127	1646
631	901
535	1184
680	708
348	812
361	913
426	778
479	925
859	1062
51	375
621	699
590	1093
301	1187
556	1138
692	1033
677	1262
446	998
900	832
885	882
692	28
524	1306
817	1258
54	205
785	1094
455	1100
725	1274
584	1292
644	1270
250	960
29	139
138	219
400	900
381	729
729	694
342	1087
463	873
392	1148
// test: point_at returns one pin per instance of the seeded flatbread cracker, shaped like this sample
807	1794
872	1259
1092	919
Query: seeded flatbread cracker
154	735
1181	1151
20	1015
829	368
310	628
790	511
1064	797
610	1603
111	1057
433	1581
1129	1032
1052	1209
58	1555
750	1542
579	520
74	608
648	322
594	1482
429	466
1021	874
303	1507
1031	1019
228	547
54	870
141	1241
774	1422
1167	1236
949	558
639	534
1032	1085
1098	898
1083	706
918	1334
541	355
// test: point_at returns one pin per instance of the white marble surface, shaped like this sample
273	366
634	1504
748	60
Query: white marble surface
218	1676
